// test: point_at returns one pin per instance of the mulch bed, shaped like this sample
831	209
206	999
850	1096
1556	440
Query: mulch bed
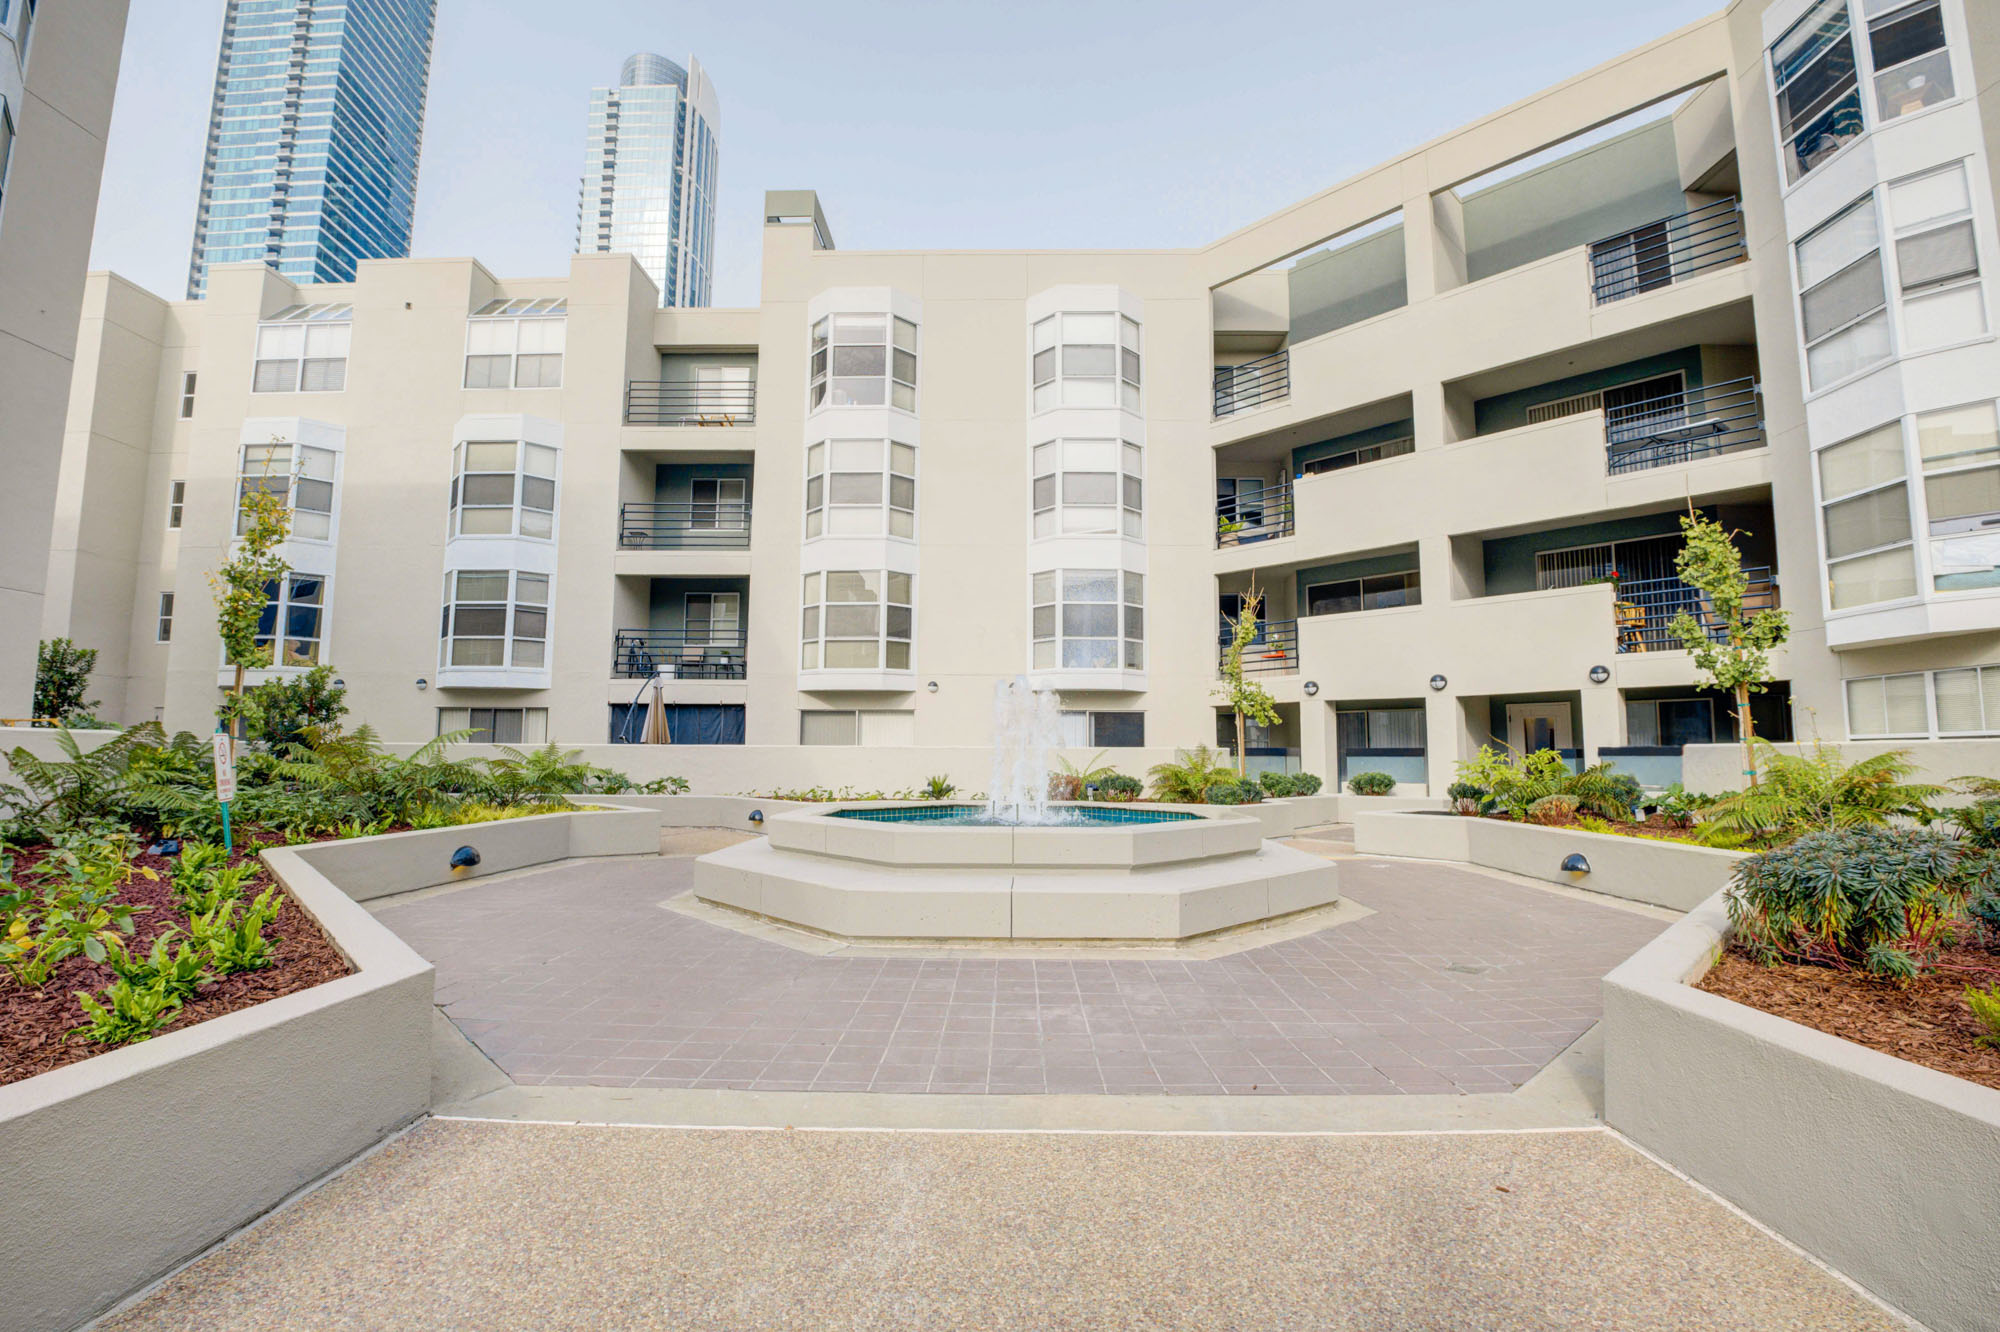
1655	826
1926	1021
35	1024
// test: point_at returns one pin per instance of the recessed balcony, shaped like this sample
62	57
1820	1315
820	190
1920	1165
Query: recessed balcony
1251	384
700	525
720	404
679	654
1665	251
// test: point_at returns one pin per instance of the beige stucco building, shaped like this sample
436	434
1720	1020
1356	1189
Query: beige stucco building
58	63
1427	413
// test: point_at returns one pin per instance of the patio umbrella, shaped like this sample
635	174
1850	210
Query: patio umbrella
656	718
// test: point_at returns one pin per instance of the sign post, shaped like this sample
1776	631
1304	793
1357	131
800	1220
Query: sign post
225	780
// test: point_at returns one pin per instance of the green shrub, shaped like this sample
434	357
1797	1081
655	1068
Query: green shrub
939	788
180	973
1985	1006
1876	898
1680	806
1979	823
1802	793
1119	787
1466	797
127	1012
1236	793
62	678
1188	779
1553	809
288	710
1371	783
1275	784
1306	784
236	943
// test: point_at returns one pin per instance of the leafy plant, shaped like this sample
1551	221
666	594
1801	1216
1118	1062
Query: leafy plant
1552	810
1739	663
62	679
288	710
1277	785
1306	783
1071	782
236	943
1371	783
75	909
1250	701
1876	898
1116	786
1985	1006
242	584
939	787
127	1012
81	787
1979	823
180	972
1189	776
1235	792
1680	806
1801	793
1466	797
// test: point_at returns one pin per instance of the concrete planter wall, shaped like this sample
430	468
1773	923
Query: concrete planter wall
1885	1169
370	867
115	1169
1640	869
1281	818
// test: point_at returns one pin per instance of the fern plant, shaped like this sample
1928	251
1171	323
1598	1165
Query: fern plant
1801	793
1189	776
83	786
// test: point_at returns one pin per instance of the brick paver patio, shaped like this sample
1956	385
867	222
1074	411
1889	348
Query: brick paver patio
1458	983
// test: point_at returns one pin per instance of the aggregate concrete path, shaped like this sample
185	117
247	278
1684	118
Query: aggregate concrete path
1451	982
481	1225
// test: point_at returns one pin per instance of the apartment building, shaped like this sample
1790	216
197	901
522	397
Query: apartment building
1443	417
58	64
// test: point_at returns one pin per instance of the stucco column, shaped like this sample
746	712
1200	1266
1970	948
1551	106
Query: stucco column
1433	238
1444	738
1316	741
1603	719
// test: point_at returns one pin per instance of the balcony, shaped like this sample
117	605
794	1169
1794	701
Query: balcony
716	654
1666	251
1683	426
1262	514
1274	651
1238	388
1645	609
657	402
713	525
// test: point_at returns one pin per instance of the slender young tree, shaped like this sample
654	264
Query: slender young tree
1739	662
1250	701
242	587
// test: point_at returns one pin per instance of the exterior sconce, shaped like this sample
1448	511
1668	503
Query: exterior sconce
1599	674
1311	687
1574	863
422	683
932	686
756	816
464	859
1439	682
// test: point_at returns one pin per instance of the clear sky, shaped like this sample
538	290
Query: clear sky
923	124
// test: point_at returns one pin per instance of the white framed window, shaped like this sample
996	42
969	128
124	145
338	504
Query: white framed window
1376	592
863	360
176	503
495	618
1888	705
876	728
187	395
164	632
1089	620
861	487
496	726
1906	47
1086	359
301	476
1959	451
292	622
1089	486
719	504
1815	73
300	349
1103	730
516	343
1865	518
1937	259
1843	301
503	488
713	619
856	620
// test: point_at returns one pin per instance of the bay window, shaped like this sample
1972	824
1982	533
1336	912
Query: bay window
503	488
290	624
1907	48
1089	619
1937	260
1814	70
516	344
300	476
861	487
302	349
1865	510
1843	305
856	620
1088	486
495	618
1086	360
864	360
1960	453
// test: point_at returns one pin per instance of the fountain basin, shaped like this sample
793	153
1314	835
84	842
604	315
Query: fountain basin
862	872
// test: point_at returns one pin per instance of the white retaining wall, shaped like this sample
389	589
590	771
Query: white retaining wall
370	867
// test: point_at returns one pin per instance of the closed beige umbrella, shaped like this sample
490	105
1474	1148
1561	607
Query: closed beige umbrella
656	718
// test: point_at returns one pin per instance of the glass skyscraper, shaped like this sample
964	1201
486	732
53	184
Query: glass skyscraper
314	136
649	175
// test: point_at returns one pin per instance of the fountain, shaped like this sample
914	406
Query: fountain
1027	730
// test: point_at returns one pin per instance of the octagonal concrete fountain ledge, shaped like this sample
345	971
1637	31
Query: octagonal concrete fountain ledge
1162	882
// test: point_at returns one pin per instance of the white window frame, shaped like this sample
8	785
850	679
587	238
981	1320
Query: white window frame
814	622
260	475
329	325
732	637
1920	518
1050	590
1053	511
515	608
904	722
1873	202
1053	384
1088	719
891	518
525	516
187	395
176	504
838	331
283	604
163	629
503	324
1821	503
534	724
1412	583
1896	238
1876	74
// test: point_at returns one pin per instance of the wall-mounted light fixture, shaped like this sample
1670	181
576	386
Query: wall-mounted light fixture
423	683
1311	687
464	858
1574	863
1599	674
1439	682
756	816
932	686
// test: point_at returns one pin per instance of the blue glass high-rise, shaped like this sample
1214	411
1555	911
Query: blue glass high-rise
649	175
314	136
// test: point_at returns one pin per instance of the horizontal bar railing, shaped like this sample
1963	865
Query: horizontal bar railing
715	654
717	525
1683	425
1645	609
1263	514
1666	251
1274	651
1238	388
679	403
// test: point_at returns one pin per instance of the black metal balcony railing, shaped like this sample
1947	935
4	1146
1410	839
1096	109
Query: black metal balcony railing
1646	607
1274	651
1254	515
1238	388
1666	251
712	525
1683	425
714	654
655	402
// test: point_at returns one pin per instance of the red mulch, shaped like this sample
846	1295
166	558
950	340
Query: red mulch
35	1024
1926	1021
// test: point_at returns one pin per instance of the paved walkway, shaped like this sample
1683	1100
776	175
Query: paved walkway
471	1225
1457	982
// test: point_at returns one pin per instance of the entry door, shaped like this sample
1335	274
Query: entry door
722	391
1533	726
